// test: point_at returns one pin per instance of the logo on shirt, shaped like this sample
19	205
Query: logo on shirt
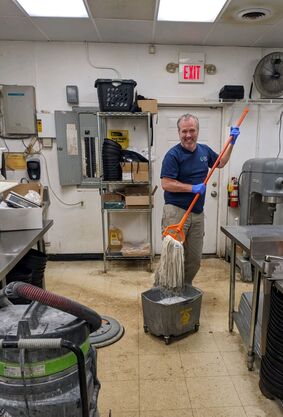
203	158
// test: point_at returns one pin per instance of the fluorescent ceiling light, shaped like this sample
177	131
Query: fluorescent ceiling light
190	10
54	8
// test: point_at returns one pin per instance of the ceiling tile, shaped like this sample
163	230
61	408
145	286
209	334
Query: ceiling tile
125	31
132	21
173	33
230	13
122	9
234	35
20	29
9	8
60	29
271	38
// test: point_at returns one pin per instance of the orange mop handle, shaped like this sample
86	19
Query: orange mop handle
184	218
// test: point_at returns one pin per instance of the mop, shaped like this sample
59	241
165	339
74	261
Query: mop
170	272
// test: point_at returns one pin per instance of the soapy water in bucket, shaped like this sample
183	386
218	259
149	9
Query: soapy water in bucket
174	299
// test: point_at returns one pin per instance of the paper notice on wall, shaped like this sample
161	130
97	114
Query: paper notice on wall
72	139
14	161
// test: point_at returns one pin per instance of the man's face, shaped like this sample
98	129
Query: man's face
188	133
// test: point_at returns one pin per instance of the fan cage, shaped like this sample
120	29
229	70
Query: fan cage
268	75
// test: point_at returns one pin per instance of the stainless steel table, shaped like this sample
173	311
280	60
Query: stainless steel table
15	244
241	236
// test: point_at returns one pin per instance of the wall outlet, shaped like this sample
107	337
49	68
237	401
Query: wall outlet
47	142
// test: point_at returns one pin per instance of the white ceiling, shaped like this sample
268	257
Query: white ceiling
134	21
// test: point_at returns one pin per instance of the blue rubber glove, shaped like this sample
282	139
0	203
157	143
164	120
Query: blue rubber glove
199	188
234	131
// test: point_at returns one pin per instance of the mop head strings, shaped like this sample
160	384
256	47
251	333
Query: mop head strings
170	272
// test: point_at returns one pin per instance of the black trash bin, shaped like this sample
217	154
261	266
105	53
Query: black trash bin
36	261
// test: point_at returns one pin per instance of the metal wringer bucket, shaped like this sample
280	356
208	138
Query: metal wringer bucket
169	315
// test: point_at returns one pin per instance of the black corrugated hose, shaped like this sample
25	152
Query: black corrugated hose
30	292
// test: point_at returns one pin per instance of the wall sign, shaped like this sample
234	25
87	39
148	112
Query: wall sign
191	67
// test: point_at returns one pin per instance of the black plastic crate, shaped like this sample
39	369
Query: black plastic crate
115	95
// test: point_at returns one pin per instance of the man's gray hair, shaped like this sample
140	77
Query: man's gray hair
187	116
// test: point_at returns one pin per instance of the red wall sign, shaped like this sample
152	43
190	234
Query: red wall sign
191	67
191	72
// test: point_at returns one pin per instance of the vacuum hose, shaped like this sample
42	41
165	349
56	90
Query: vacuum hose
30	292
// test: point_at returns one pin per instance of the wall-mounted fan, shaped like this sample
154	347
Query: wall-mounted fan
268	75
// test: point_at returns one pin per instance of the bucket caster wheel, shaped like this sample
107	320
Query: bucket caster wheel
167	340
196	327
145	328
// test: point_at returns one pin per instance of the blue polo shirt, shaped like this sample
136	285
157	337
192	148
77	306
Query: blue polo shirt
190	168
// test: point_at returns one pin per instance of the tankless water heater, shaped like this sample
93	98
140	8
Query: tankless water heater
18	113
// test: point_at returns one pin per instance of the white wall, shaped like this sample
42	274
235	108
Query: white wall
52	66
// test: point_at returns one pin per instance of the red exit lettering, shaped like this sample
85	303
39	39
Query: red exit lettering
191	72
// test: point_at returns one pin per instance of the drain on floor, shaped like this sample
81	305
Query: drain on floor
109	332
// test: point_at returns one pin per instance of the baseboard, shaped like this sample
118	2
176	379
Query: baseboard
96	256
75	256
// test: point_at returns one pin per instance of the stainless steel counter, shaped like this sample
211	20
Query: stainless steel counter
15	244
242	236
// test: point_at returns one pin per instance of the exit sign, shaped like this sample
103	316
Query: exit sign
191	67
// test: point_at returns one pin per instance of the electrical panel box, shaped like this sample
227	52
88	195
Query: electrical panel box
89	147
67	138
78	147
18	110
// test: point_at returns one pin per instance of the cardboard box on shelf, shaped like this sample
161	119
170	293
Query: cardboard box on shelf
135	171
111	197
137	200
20	218
23	189
148	105
126	171
138	197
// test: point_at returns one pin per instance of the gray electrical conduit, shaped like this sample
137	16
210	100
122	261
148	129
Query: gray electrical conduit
30	292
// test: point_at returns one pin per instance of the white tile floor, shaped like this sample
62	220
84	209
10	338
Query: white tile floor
202	375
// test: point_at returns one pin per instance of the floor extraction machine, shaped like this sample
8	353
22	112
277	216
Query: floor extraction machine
47	364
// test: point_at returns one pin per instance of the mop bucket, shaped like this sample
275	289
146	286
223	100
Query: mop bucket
168	314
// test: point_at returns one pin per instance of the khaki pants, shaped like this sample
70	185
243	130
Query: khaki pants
194	230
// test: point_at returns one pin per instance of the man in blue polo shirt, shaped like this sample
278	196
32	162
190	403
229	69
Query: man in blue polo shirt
184	169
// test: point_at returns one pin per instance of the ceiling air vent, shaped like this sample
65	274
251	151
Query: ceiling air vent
251	15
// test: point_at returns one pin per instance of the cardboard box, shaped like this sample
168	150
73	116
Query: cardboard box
111	197
138	197
137	200
135	171
20	218
126	171
149	105
23	189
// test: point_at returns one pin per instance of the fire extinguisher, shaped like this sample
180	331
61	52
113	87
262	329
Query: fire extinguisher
233	192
